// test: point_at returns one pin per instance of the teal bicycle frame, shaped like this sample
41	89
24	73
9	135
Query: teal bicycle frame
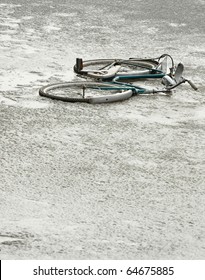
157	75
137	89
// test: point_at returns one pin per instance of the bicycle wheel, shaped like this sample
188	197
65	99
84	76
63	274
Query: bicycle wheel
89	92
109	68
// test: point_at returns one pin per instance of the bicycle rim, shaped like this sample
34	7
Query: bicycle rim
88	92
105	68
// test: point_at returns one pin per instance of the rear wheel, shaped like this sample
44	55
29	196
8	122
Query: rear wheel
102	68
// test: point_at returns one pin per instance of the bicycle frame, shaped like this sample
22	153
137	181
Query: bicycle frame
111	69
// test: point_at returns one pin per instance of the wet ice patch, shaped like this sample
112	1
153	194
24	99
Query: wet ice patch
8	31
147	29
50	28
65	14
29	31
151	30
200	113
9	38
7	101
13	80
7	240
12	25
34	105
28	49
32	102
27	17
172	24
9	5
8	24
5	37
8	27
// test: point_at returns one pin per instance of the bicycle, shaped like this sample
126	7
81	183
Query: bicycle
104	90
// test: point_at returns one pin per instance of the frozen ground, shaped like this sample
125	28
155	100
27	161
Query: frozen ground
113	181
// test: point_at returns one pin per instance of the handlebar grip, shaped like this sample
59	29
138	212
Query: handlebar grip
192	85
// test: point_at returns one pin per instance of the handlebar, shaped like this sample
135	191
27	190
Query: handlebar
181	82
192	84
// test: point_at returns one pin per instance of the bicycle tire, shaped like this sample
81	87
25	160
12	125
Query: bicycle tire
148	65
122	93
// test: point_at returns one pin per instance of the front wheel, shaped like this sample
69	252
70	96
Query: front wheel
88	92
